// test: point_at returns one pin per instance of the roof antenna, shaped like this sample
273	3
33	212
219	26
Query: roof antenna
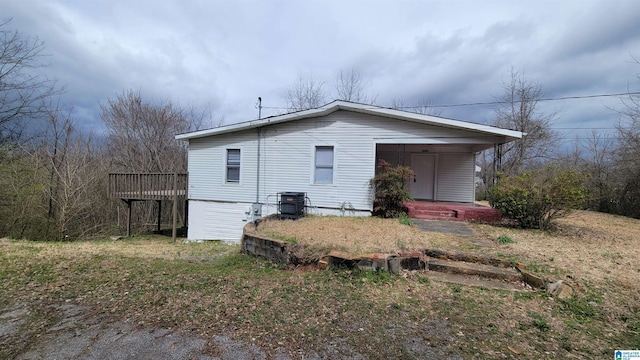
259	106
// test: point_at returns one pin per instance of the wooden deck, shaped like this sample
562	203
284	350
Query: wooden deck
150	186
147	186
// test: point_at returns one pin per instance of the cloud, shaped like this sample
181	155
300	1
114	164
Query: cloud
604	27
225	54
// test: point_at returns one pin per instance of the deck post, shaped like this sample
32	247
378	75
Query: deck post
159	215
185	220
129	203
186	202
174	232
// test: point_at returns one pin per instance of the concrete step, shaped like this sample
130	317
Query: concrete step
463	268
477	281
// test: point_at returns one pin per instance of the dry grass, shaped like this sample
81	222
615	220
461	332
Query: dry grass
600	247
210	289
150	247
356	235
600	252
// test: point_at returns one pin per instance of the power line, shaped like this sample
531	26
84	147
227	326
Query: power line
517	101
481	103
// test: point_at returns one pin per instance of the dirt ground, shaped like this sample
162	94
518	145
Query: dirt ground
78	333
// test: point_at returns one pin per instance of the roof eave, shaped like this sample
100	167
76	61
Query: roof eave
323	111
510	135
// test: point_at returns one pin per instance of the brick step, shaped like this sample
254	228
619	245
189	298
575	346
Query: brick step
429	207
434	214
462	268
433	217
443	213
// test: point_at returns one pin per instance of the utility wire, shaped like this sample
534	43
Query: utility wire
578	97
517	101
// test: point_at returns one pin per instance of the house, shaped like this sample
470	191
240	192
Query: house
330	153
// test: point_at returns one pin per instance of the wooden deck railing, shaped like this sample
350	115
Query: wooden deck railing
147	186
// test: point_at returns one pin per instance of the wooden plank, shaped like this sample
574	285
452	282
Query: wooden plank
142	186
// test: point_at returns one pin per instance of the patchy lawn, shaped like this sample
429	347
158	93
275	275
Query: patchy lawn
357	235
210	289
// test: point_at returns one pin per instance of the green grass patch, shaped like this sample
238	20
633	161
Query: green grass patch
523	295
504	239
289	239
405	219
583	308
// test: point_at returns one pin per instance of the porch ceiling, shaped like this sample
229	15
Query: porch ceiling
471	147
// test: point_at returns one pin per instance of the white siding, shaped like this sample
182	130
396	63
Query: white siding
210	220
455	168
207	166
456	177
287	164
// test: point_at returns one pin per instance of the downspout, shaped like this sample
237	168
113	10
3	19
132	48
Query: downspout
258	168
258	160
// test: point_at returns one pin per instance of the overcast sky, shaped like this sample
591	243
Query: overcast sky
224	54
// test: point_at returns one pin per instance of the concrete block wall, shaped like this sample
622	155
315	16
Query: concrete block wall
272	249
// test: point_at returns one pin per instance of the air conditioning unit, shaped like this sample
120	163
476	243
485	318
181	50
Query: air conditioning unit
291	205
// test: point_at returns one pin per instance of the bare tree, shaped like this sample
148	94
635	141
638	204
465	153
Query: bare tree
22	211
306	93
425	106
142	139
600	165
519	111
627	159
350	87
76	176
141	134
71	161
22	90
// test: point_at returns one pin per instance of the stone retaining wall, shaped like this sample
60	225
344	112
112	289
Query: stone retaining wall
282	251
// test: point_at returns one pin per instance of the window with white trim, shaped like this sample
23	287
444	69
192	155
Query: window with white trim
233	165
323	165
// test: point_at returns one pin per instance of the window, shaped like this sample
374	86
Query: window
233	165
324	165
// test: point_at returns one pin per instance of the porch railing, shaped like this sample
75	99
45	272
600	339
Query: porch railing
159	186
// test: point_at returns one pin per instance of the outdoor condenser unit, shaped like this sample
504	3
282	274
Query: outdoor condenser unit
292	205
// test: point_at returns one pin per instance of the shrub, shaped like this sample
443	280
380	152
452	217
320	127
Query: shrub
390	189
535	198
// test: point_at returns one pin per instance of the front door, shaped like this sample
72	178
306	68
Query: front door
422	182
